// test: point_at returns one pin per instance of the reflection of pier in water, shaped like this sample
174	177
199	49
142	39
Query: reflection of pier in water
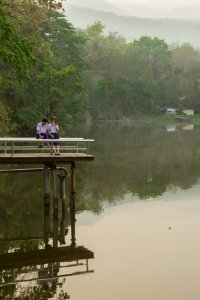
47	266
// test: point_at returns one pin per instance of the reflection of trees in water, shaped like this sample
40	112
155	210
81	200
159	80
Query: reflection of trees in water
44	292
21	204
142	159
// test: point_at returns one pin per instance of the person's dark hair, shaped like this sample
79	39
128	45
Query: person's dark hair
45	120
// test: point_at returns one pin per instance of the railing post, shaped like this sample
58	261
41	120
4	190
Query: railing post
88	149
76	147
12	148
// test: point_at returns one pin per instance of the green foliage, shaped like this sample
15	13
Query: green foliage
16	57
54	85
125	80
65	71
6	126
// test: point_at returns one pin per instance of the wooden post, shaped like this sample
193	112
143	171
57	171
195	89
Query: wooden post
46	186
72	204
63	191
12	148
46	205
5	148
55	229
63	229
46	224
55	189
63	200
55	207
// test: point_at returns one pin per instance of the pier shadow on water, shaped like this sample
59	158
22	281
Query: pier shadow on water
39	270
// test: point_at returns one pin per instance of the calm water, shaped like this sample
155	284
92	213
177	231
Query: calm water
137	229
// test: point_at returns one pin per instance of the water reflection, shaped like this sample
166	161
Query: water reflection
135	162
41	272
143	160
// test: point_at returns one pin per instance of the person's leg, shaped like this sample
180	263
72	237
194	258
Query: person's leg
54	149
51	145
57	150
56	136
40	137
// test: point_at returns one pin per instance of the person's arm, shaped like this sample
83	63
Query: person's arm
38	130
48	132
57	128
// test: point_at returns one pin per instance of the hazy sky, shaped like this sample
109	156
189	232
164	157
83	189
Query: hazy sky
157	3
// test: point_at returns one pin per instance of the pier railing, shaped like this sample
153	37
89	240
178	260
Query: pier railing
13	146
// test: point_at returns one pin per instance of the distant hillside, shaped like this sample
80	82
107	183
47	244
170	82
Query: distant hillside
101	5
184	12
141	11
189	11
181	31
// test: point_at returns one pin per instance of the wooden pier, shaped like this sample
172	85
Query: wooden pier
37	151
45	264
27	151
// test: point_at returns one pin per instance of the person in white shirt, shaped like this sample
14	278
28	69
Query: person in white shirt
42	130
52	132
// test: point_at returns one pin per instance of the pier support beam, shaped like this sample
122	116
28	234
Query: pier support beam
55	189
63	191
47	222
72	203
55	229
55	207
46	205
46	186
64	207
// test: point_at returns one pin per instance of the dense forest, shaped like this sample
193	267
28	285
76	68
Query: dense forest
49	67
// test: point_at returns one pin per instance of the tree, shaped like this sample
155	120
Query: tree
54	84
150	59
16	58
186	72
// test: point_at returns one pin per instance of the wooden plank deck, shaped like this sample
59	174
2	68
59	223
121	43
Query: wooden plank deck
43	158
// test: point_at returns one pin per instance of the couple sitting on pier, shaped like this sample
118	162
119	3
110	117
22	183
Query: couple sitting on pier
50	131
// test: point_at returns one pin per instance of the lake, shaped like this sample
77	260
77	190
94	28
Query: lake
136	234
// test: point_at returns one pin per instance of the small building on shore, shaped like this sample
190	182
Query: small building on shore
171	111
188	111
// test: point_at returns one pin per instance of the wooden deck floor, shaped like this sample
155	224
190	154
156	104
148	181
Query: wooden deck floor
42	158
